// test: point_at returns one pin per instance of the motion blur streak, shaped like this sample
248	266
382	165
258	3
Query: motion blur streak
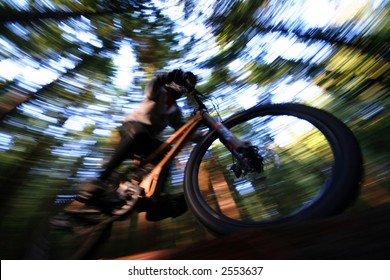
70	70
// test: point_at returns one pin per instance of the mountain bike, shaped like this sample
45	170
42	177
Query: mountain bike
267	165
271	164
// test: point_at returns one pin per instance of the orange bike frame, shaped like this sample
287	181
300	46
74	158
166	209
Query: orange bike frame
179	139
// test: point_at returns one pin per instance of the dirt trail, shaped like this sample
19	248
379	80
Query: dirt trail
354	235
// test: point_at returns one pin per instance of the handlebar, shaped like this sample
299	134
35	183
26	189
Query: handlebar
195	94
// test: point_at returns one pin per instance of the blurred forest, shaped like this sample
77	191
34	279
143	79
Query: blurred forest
70	71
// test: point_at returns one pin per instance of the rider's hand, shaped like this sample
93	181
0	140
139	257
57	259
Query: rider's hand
186	79
176	76
191	80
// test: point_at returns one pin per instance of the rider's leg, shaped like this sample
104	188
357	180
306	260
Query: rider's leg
130	133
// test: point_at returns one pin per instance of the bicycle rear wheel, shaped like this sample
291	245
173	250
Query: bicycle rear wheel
312	169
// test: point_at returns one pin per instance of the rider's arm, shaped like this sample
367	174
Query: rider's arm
176	119
155	91
153	88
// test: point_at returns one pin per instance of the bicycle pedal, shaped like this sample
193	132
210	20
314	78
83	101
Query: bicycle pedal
128	190
130	193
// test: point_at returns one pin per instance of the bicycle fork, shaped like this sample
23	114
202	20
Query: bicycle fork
248	158
234	144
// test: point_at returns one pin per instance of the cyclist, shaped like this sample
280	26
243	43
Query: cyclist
138	135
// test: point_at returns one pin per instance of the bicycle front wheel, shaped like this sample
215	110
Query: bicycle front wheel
312	168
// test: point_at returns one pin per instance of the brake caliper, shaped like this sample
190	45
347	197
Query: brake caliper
251	161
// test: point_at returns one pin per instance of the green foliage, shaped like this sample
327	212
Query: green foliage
234	19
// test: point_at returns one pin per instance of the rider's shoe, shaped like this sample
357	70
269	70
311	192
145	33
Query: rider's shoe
129	193
166	206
